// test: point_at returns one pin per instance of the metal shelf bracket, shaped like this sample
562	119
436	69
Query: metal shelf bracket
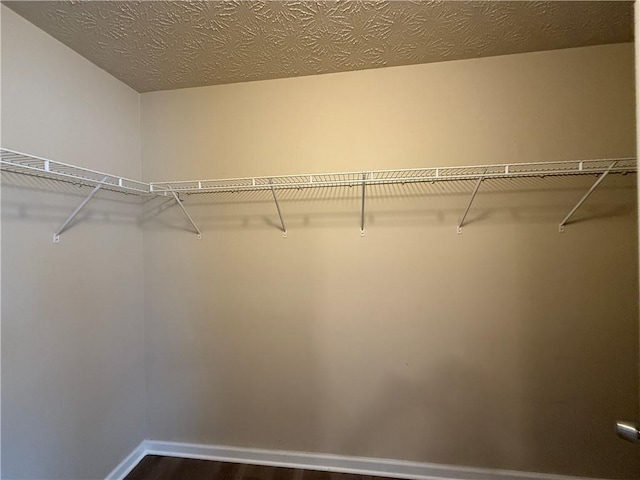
473	196
364	187
179	202
275	199
584	198
63	227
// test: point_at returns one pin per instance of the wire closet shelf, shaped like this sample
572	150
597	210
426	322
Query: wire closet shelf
23	163
403	176
17	162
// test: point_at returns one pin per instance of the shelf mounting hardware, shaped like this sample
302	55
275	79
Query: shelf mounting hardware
275	199
179	202
364	187
473	196
584	198
63	227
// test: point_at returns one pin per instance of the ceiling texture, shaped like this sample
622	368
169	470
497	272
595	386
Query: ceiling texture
162	45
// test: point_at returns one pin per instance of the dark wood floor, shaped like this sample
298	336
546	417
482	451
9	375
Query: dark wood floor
154	467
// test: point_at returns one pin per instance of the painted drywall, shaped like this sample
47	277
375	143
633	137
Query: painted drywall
72	330
509	346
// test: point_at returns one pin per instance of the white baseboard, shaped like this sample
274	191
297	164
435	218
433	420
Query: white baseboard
318	461
128	463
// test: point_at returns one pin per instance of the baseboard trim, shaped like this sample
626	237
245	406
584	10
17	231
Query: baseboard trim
324	462
128	464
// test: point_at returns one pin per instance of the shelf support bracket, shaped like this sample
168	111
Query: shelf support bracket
364	188
275	199
584	198
473	196
63	227
179	202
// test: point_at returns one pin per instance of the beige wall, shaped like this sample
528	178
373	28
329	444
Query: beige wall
72	330
509	346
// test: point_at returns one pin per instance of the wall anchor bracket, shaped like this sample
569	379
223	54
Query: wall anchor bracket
179	202
63	227
584	198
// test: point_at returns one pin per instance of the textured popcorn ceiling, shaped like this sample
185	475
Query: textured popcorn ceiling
154	45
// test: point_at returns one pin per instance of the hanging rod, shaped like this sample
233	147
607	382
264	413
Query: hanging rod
417	175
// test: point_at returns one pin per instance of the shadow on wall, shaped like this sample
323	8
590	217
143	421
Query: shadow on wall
39	200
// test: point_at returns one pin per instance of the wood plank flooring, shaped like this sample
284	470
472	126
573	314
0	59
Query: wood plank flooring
155	467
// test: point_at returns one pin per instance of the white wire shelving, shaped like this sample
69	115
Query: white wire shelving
18	162
431	174
23	163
